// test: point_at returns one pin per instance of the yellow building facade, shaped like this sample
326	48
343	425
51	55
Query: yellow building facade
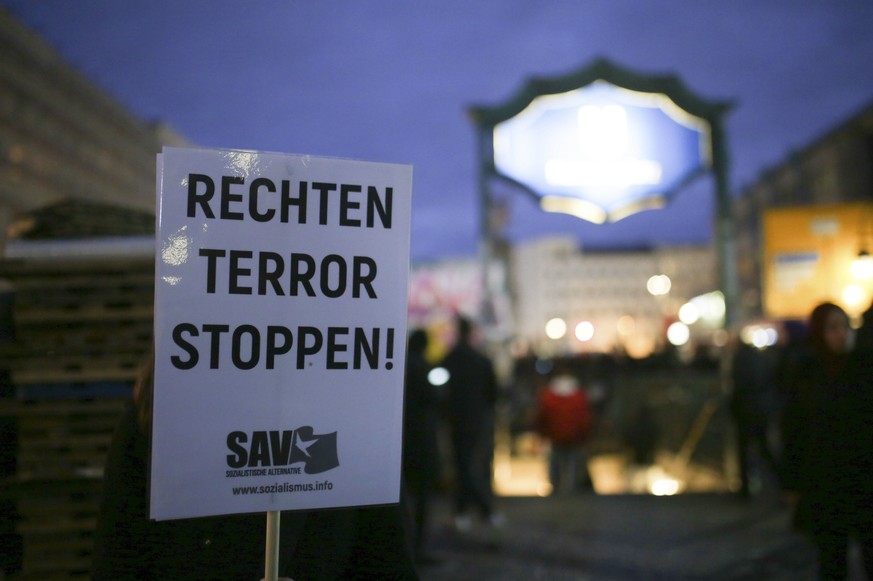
813	254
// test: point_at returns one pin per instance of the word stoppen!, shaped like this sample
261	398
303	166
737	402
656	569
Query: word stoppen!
250	347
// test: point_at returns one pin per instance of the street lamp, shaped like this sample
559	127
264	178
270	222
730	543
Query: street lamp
556	328
659	285
678	334
438	376
689	313
862	266
584	331
853	296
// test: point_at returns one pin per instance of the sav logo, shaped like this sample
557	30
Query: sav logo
271	448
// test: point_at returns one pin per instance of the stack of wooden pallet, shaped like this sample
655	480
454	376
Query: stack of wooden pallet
82	328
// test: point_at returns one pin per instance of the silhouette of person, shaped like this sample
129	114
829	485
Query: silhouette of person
754	403
471	394
864	337
641	434
421	455
828	442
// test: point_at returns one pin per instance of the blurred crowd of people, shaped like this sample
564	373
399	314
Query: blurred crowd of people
803	411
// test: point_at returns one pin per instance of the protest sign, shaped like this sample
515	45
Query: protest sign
280	326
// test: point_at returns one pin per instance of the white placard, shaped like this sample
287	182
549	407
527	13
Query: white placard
280	325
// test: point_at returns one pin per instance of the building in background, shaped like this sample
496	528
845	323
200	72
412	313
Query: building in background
835	169
569	300
817	253
609	301
63	139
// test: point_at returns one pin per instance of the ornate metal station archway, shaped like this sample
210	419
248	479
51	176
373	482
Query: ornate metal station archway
602	143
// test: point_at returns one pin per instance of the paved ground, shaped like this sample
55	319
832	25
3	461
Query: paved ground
625	537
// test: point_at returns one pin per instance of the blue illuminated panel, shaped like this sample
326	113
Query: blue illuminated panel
601	152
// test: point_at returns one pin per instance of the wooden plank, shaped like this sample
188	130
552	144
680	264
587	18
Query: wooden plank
144	279
73	376
57	521
19	268
71	296
95	313
60	439
26	410
86	368
53	576
41	560
80	337
78	361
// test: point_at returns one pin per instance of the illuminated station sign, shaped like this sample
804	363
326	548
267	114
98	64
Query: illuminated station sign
602	152
602	143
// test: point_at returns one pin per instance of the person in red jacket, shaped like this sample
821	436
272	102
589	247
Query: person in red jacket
563	417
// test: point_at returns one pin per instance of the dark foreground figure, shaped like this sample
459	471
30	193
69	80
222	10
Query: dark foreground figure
828	438
360	543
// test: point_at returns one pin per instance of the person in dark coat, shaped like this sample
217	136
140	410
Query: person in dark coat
360	543
421	454
472	394
754	404
864	338
828	442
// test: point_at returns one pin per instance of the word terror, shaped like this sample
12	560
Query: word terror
250	347
297	275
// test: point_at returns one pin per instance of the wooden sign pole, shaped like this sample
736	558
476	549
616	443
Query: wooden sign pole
271	566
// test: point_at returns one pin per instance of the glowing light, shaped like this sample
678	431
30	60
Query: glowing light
853	295
660	483
597	144
709	309
438	376
664	487
712	307
556	328
584	331
862	267
626	325
604	139
759	336
659	284
678	334
603	132
764	338
640	346
579	208
615	173
689	313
